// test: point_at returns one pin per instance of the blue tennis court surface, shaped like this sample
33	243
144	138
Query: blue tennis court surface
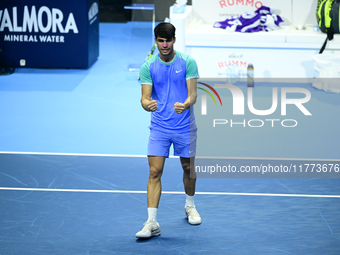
68	204
73	170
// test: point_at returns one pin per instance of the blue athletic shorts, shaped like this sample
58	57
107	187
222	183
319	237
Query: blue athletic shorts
184	144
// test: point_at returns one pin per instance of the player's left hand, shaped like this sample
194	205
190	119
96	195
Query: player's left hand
179	108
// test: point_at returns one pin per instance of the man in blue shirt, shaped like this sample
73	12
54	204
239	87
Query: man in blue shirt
169	82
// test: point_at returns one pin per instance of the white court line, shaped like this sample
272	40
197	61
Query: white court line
77	154
70	154
164	192
287	159
167	192
144	156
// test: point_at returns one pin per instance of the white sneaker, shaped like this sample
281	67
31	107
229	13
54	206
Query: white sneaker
193	216
150	229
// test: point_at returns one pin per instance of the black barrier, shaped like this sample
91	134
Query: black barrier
49	34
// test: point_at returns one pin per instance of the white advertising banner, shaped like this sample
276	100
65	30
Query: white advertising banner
218	10
304	12
268	63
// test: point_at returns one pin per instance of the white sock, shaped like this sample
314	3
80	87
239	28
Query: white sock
152	214
189	200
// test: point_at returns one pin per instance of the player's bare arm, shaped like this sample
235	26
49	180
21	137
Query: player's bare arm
148	104
191	99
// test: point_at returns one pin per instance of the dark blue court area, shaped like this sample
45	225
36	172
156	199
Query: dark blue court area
73	168
67	204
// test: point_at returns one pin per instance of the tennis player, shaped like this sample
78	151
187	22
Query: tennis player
169	82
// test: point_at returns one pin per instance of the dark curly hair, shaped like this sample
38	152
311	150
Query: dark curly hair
165	30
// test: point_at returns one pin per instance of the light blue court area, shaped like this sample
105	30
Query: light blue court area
98	110
73	167
82	111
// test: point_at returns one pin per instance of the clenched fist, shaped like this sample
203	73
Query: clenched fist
179	108
152	105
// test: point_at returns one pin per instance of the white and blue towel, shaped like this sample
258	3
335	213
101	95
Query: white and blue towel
260	20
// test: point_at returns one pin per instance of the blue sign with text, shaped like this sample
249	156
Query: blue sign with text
49	34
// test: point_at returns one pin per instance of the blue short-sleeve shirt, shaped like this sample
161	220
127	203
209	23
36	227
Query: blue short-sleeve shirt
168	80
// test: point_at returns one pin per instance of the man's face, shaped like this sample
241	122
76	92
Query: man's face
165	46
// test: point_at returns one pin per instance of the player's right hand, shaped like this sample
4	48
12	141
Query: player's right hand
152	105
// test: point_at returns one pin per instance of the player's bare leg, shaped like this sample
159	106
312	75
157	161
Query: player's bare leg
190	186
154	187
189	183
